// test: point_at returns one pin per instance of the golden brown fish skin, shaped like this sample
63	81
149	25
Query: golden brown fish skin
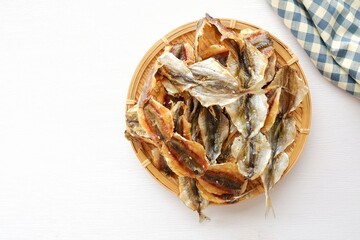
185	128
261	40
189	194
177	110
270	68
160	163
184	157
149	85
293	89
214	128
192	113
215	84
226	33
181	125
184	52
217	34
252	67
223	179
134	132
273	101
226	155
214	51
156	120
214	33
176	71
219	199
158	91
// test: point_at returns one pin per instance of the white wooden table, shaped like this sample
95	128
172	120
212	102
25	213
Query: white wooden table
66	170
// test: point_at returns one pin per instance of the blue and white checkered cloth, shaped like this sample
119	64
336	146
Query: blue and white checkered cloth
329	31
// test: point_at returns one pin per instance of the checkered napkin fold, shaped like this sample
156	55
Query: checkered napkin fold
329	31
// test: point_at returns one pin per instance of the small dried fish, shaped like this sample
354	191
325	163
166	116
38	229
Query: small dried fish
205	36
270	68
273	102
252	155
133	128
217	115
184	52
232	63
189	194
156	120
248	113
184	157
210	32
160	163
214	128
192	113
226	155
220	199
216	51
293	89
176	71
280	136
223	178
272	175
252	67
158	92
216	86
261	40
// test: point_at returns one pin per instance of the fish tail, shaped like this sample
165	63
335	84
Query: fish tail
269	205
202	217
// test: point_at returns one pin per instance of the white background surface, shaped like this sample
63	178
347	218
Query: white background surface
66	170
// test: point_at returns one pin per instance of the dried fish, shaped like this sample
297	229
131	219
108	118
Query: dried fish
184	52
216	86
214	128
220	199
273	102
216	51
272	175
293	89
252	67
189	194
226	155
133	128
181	125
261	40
210	33
280	136
192	113
223	178
184	157
160	163
156	120
217	115
252	155
270	68
206	35
248	113
176	71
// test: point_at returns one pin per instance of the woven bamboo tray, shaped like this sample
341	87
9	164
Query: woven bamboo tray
186	33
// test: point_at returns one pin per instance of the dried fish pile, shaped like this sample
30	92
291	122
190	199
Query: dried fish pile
218	114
